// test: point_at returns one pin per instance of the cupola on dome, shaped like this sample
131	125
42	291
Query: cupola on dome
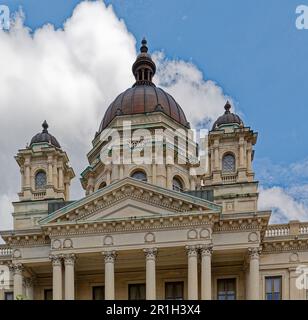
45	136
227	118
144	97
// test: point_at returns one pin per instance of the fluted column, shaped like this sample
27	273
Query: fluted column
56	277
110	257
192	254
254	274
206	272
18	279
69	263
150	255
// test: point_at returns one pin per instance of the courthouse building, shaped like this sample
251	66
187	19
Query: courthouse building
163	229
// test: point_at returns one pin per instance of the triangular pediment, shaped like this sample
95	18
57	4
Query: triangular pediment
130	198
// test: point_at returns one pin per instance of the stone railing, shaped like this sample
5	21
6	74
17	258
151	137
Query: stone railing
293	228
5	251
39	195
229	178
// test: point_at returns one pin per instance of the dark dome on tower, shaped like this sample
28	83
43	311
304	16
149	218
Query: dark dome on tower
227	118
144	97
45	136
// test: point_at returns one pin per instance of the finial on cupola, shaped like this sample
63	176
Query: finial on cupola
144	47
227	107
45	126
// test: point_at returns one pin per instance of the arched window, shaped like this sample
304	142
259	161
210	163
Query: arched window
40	180
177	184
228	163
140	175
102	185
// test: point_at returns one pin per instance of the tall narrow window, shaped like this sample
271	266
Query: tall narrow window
140	175
228	163
177	184
174	290
136	291
98	293
40	180
273	288
226	289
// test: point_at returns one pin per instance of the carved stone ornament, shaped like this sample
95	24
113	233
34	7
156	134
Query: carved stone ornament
69	259
254	253
56	260
192	251
206	250
150	253
109	256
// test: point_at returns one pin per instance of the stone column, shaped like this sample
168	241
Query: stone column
206	274
69	263
28	282
254	274
150	255
110	257
49	173
18	279
56	277
192	254
169	180
61	179
27	175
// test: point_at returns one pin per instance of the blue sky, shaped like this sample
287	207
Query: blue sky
251	49
254	52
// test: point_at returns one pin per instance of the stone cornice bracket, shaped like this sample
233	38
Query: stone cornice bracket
109	256
192	251
254	253
56	260
206	250
69	259
150	253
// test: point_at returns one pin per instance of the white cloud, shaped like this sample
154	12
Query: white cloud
284	206
69	77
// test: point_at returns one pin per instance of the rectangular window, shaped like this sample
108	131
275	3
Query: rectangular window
136	291
48	294
98	293
226	289
8	296
273	288
174	290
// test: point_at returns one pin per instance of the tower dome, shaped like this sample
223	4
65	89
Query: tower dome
227	118
45	136
144	97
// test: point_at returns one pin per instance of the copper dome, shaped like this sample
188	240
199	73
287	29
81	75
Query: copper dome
227	118
144	97
45	136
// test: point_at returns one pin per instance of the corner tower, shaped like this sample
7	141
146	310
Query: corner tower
45	177
230	171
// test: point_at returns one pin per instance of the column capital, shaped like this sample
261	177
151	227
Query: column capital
254	253
109	256
29	282
56	259
69	259
192	251
150	253
206	250
17	268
